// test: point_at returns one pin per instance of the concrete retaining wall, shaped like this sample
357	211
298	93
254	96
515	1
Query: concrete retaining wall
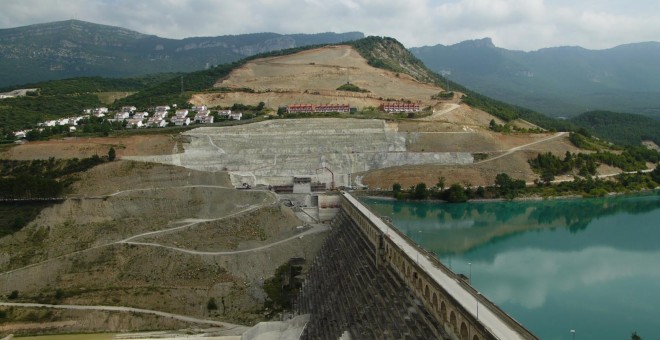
272	152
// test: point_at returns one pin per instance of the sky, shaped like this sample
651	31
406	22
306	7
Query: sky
513	24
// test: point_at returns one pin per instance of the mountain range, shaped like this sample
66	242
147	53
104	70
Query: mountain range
76	48
559	81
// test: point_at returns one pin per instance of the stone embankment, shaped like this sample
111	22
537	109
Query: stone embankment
274	151
345	291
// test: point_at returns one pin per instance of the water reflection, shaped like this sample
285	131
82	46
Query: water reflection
456	228
585	264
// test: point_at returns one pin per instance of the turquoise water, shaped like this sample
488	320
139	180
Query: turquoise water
589	265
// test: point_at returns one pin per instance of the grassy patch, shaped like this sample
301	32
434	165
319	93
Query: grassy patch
351	88
109	97
16	215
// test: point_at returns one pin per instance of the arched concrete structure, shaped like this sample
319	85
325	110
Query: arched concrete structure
443	311
452	322
464	332
400	253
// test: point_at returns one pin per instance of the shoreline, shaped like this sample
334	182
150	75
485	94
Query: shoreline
518	199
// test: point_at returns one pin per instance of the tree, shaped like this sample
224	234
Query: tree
13	295
396	187
456	194
33	135
420	192
547	176
634	336
441	183
502	180
111	154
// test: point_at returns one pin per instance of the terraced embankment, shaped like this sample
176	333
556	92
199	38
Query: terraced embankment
272	152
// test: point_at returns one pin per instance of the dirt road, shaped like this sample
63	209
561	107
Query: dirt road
238	329
315	229
521	147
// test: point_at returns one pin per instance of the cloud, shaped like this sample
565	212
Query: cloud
528	277
516	24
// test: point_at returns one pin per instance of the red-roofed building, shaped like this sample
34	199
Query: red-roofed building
300	108
333	108
323	108
400	107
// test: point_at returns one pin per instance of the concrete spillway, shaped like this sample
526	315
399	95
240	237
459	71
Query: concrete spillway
274	151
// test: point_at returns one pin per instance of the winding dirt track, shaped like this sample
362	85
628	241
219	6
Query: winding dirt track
521	147
268	200
227	326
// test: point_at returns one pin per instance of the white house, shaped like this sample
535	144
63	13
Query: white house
128	108
203	118
122	115
134	123
140	115
179	121
101	110
181	113
236	116
156	121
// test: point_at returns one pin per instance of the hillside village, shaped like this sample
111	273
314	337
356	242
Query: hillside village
166	115
161	116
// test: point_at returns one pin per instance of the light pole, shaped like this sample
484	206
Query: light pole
470	277
418	245
478	295
573	331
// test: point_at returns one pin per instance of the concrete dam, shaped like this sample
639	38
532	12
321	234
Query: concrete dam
369	281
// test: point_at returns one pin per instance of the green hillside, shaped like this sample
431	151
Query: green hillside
620	128
74	48
61	98
562	81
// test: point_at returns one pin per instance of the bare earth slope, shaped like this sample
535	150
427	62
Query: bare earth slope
312	77
137	245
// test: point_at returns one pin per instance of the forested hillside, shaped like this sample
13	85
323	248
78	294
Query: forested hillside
62	98
561	81
620	128
76	48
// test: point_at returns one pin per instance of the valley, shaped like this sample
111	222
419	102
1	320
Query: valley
164	228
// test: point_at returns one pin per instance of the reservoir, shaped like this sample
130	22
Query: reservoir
587	265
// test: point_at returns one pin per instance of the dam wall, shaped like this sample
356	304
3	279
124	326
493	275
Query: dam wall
368	265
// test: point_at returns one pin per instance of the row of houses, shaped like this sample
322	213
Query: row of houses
400	107
199	114
160	117
325	108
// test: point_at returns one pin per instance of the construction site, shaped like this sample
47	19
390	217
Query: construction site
272	153
164	230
